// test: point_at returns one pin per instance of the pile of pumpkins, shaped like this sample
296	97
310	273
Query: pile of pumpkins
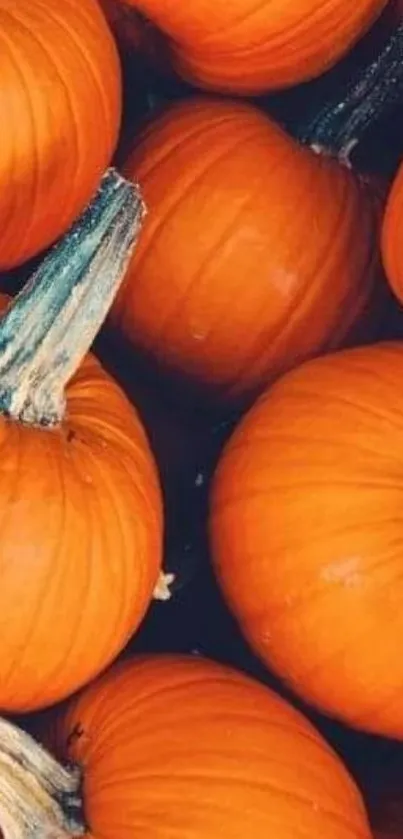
251	273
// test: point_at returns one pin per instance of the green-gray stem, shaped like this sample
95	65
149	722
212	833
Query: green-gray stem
52	323
369	96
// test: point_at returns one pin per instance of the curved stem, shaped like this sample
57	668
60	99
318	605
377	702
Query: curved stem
50	326
372	93
39	799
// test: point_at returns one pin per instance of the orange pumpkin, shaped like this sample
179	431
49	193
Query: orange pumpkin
256	252
242	47
392	236
306	533
60	106
182	747
80	545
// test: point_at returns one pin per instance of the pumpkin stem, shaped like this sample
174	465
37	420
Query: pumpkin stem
368	97
52	323
39	799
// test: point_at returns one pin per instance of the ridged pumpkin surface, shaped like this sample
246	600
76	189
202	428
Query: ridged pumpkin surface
80	542
246	47
307	532
180	747
255	254
60	113
392	236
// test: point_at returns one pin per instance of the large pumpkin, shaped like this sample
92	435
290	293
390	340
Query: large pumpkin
182	747
256	253
60	111
244	47
80	505
306	533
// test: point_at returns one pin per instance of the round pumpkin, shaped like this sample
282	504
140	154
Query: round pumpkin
256	253
392	236
60	107
306	533
181	746
246	48
80	503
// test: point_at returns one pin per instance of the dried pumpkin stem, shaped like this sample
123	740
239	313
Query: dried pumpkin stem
367	98
52	323
39	799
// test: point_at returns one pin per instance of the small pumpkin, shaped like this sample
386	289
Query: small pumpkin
179	746
392	236
256	253
244	48
60	107
81	518
306	533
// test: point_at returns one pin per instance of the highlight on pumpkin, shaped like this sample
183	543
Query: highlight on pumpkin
81	535
230	285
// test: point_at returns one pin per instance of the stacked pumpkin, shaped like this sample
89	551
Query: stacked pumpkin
227	255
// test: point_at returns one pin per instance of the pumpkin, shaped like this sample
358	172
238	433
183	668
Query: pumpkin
247	48
256	252
60	105
179	746
392	234
306	533
80	545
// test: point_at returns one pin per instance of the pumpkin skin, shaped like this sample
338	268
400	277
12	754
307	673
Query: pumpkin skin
241	48
392	234
306	533
249	260
52	157
81	523
180	746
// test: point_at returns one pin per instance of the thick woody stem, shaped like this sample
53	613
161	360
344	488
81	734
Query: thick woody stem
39	799
50	326
368	97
